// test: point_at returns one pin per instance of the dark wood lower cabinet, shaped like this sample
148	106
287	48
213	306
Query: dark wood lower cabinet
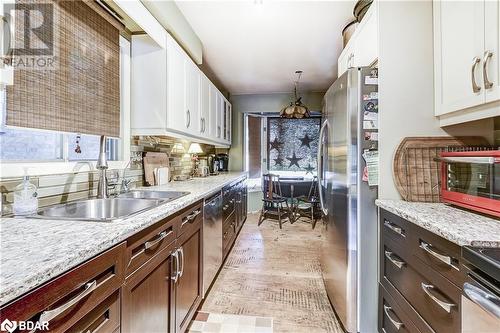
147	296
150	283
188	288
105	318
420	270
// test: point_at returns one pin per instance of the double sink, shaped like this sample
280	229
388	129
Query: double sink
112	209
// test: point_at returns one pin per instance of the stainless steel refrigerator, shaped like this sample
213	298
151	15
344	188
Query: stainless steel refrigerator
349	258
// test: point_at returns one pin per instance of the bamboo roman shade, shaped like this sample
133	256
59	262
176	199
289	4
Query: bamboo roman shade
81	94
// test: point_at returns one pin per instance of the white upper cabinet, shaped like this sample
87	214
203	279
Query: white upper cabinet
212	127
466	67
171	96
176	111
193	85
362	48
148	86
491	57
220	116
204	118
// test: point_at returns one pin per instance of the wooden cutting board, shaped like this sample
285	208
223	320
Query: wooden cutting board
416	174
152	161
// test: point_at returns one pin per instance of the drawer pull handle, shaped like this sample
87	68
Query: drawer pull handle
445	305
181	252
475	87
487	57
398	263
48	315
191	217
396	323
162	235
394	228
428	248
176	262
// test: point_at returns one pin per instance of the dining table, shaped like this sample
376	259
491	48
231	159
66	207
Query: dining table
293	188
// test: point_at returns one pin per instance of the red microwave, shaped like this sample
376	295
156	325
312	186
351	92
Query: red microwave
471	179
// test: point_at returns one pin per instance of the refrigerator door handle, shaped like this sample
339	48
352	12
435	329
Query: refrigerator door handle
320	166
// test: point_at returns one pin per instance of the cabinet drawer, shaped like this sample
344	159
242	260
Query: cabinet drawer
190	217
105	318
432	296
144	245
228	207
63	301
402	303
392	318
440	254
394	227
228	233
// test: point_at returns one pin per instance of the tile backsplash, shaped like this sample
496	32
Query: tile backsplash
60	188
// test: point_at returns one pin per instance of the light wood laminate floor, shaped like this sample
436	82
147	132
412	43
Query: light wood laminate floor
275	273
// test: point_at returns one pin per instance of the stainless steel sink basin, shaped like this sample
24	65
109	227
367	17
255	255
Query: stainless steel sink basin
143	194
98	210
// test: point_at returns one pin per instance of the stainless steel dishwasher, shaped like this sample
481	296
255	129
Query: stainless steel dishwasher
212	239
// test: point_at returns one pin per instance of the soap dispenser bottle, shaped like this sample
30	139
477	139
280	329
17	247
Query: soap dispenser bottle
25	198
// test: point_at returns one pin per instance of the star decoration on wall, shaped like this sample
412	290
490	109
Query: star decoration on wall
294	160
278	161
306	141
309	169
275	144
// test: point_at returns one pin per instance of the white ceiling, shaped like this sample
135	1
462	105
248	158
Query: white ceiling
256	46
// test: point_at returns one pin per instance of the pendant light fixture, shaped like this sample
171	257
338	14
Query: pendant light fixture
296	109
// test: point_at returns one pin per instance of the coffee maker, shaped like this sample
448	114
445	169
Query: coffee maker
223	162
213	164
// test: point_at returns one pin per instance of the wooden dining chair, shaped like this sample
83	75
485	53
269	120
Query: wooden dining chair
274	205
309	206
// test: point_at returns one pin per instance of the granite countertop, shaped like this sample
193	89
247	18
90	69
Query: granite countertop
456	225
34	251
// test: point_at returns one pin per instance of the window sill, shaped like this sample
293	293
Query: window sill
17	169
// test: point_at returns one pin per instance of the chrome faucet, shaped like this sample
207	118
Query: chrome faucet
102	166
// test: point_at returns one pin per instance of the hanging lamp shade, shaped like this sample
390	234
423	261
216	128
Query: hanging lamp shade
296	109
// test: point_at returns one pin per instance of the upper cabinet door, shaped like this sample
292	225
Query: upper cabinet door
176	86
228	122
224	119
220	115
346	59
212	128
204	118
192	112
149	85
491	59
366	41
458	54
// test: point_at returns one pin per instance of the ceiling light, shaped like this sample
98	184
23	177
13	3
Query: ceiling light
296	109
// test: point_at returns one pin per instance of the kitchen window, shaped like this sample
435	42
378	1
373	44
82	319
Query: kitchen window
287	147
44	150
27	145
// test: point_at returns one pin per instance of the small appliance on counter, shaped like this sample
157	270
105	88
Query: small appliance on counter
223	162
213	165
203	169
471	179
